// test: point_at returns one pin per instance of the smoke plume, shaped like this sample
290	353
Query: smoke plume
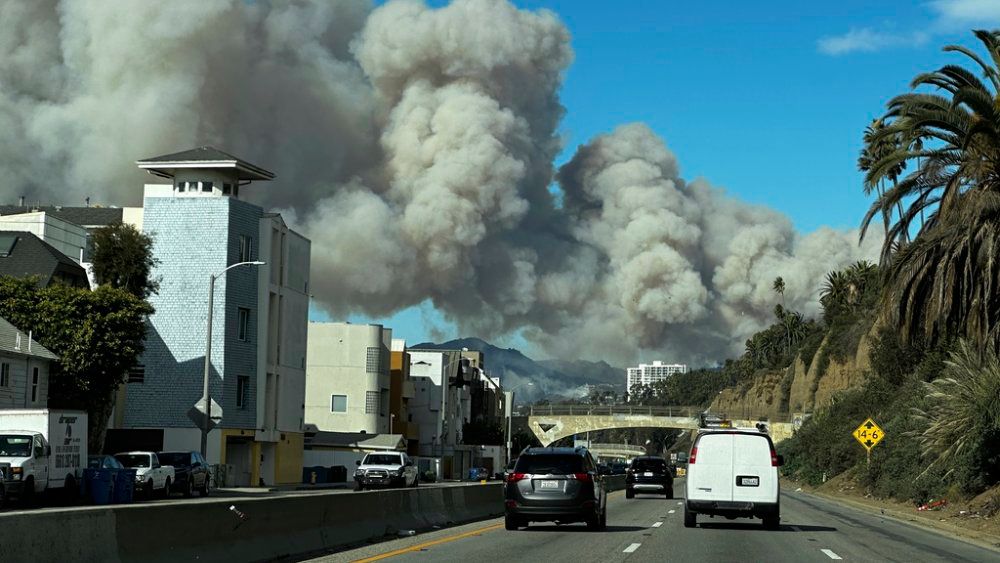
415	147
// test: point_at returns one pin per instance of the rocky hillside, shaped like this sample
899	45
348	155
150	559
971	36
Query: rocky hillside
797	389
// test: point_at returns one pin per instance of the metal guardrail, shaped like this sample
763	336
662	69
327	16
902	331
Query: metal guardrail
608	410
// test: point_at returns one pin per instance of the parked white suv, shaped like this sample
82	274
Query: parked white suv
389	469
733	473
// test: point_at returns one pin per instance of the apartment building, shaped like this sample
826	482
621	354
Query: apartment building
647	374
201	227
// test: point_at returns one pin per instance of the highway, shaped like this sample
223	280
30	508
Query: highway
650	528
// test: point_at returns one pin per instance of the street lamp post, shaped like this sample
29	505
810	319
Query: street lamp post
208	352
510	407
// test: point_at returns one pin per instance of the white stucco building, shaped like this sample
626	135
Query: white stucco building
347	377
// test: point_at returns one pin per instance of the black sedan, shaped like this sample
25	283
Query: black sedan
190	472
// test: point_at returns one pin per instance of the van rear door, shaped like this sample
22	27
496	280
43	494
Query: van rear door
709	477
755	479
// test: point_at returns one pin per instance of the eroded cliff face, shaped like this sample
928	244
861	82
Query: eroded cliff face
779	394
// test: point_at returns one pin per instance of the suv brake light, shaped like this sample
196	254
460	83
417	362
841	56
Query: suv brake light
693	455
584	477
515	477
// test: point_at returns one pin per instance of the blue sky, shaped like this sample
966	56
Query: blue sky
766	99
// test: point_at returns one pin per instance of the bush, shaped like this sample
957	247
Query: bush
429	477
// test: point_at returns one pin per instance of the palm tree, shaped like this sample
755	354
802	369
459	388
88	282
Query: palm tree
963	408
779	287
948	278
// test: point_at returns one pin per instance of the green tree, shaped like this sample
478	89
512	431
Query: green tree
123	258
946	279
98	336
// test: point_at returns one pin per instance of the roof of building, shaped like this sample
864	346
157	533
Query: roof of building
23	254
83	216
8	343
359	440
202	157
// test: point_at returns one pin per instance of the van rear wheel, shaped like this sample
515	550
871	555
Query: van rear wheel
772	522
690	518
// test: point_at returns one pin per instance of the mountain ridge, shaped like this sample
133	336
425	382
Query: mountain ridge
550	379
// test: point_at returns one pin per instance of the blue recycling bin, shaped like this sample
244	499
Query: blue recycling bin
124	487
474	474
99	484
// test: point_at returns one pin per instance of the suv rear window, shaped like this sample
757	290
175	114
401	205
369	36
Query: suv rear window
549	464
649	465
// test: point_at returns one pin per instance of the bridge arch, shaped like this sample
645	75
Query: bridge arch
552	423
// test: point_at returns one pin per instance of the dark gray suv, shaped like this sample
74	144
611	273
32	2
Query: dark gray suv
555	485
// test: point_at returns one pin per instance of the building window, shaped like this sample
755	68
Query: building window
338	403
242	391
137	374
371	402
34	385
181	186
246	248
5	375
227	189
374	360
206	187
243	331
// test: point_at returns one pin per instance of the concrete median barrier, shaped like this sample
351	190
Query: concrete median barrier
258	529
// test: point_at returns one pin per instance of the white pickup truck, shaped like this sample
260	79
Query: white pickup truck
150	477
41	450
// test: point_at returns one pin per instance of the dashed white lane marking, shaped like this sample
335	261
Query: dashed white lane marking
657	524
671	511
796	528
635	546
679	503
830	554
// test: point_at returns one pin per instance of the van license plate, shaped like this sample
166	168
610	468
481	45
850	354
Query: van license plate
548	484
748	481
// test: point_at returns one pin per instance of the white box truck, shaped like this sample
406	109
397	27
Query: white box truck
41	450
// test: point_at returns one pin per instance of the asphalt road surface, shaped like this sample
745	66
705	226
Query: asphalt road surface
650	528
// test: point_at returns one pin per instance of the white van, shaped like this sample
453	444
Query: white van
732	473
41	450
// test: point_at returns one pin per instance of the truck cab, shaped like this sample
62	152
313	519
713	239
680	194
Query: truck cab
24	463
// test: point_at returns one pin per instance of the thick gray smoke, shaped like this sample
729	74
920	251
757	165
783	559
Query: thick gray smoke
415	147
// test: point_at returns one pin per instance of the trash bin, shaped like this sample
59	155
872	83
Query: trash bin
99	485
338	474
124	490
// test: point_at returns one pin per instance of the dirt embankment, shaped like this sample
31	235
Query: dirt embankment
975	518
798	389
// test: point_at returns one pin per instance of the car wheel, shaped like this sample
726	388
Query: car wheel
690	518
772	522
148	489
189	490
604	519
511	522
670	493
166	488
594	522
205	487
358	486
3	496
629	493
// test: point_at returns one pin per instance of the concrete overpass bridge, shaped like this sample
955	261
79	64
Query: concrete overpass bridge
550	423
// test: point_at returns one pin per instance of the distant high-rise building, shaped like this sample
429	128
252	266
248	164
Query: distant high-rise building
647	374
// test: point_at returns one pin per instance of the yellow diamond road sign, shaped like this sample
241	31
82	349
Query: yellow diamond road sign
868	434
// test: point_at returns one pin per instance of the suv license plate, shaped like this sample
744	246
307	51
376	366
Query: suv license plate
647	474
749	482
548	484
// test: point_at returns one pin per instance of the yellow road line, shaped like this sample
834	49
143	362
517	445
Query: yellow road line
424	545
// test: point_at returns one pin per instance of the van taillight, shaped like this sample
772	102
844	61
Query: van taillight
585	477
515	477
693	455
774	457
